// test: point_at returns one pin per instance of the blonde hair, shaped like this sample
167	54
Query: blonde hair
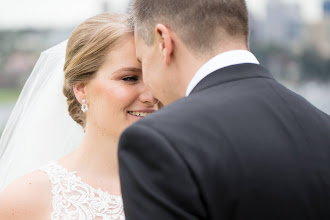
88	46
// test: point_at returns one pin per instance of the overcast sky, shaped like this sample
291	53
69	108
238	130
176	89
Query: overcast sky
67	13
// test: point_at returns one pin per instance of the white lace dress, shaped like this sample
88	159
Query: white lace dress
74	199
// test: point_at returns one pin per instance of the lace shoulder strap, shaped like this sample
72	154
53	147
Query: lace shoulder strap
55	173
75	199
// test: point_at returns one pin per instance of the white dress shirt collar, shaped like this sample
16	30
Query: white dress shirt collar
222	60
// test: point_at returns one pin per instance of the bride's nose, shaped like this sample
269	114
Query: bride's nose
147	97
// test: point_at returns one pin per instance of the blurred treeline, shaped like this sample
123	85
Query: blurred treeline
287	65
19	51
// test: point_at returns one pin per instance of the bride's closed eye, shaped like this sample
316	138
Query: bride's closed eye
130	78
128	74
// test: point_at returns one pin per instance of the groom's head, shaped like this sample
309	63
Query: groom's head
175	37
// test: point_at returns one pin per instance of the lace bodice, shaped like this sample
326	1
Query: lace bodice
74	199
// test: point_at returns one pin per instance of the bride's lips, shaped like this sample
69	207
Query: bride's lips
141	113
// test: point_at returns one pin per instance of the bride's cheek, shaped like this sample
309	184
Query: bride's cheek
125	94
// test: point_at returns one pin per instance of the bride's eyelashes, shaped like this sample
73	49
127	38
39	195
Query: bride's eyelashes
130	79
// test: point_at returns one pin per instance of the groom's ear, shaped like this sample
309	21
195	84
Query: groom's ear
79	90
165	42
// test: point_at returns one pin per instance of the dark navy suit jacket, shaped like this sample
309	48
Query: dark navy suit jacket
240	146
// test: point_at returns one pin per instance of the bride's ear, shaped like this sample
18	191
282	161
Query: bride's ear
80	91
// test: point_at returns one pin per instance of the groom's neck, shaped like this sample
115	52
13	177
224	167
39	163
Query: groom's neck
192	61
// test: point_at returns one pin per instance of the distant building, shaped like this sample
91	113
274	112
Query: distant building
256	29
318	34
105	6
326	8
283	23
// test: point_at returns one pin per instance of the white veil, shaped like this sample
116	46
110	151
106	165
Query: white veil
39	128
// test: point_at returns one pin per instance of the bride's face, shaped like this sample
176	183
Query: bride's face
117	96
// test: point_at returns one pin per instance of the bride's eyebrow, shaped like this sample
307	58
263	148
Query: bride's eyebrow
129	69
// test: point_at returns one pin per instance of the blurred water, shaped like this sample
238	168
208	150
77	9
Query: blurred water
316	93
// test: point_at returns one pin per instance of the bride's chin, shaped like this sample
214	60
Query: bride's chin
131	120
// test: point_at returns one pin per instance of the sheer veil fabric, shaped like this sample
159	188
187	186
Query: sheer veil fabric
40	128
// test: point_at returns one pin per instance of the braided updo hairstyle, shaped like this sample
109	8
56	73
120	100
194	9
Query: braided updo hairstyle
87	49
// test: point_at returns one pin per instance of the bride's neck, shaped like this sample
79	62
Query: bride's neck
97	153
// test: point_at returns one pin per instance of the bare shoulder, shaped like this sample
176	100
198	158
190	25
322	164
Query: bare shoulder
29	197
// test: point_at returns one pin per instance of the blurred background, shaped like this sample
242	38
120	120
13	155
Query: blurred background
289	37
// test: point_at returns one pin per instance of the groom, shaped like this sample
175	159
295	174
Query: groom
231	142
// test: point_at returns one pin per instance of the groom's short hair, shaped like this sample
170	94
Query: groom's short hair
199	23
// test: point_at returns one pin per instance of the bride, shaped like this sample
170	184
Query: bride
105	93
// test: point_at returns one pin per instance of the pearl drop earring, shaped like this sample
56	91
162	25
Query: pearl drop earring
84	106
